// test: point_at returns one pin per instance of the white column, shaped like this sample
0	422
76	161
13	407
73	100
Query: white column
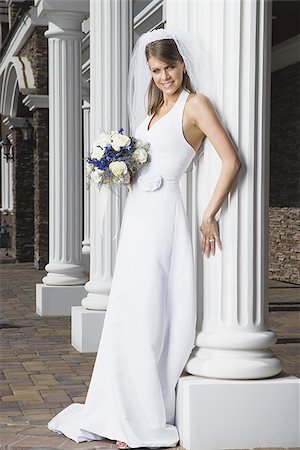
234	341
86	192
63	286
109	48
232	352
6	182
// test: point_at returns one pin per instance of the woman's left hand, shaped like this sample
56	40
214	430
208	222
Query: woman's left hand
210	230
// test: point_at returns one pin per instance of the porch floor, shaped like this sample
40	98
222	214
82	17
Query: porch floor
41	373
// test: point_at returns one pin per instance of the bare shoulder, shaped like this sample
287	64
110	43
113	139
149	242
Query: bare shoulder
197	105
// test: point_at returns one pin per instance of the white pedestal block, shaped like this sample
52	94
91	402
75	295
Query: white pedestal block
214	414
57	300
87	327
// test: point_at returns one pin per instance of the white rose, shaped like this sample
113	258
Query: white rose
89	167
118	168
120	140
97	152
140	155
141	144
96	175
103	139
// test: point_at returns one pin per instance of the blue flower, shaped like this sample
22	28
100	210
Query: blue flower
120	130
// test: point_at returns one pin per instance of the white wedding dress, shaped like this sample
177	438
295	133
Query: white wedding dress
150	323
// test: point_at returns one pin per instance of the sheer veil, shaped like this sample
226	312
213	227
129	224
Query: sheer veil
203	79
139	75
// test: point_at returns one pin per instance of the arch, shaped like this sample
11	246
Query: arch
17	77
9	91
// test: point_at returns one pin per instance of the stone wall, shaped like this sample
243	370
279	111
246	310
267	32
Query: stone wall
284	244
23	211
17	9
284	251
36	50
41	188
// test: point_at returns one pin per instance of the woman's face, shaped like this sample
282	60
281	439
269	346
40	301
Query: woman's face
168	78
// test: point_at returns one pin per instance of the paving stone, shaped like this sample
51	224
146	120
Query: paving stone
35	441
103	444
41	373
5	440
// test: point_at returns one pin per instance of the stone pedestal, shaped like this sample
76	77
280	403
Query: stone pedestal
225	414
57	300
86	329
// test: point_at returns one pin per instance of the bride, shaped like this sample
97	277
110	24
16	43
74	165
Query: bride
150	324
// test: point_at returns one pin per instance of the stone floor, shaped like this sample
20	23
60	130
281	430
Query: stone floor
41	373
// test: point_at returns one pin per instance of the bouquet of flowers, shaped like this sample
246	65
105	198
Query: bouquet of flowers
115	158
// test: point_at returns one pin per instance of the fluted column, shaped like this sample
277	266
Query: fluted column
86	192
65	183
232	364
109	49
234	340
63	287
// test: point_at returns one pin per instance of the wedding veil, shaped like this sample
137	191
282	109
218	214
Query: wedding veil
139	75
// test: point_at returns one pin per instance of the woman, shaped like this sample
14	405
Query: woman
150	324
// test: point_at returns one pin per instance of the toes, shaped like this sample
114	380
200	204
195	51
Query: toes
122	444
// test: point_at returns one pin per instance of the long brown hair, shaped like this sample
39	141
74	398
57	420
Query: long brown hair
166	51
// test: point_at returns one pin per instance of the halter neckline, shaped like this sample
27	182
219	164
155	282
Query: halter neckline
149	121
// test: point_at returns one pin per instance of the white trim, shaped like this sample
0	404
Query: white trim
26	26
15	122
24	74
9	91
146	12
286	53
15	1
36	101
46	8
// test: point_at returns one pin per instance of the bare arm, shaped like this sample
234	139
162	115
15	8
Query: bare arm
206	119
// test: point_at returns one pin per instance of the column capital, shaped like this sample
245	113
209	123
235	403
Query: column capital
45	8
64	17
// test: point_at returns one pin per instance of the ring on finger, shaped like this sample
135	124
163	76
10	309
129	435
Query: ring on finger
211	240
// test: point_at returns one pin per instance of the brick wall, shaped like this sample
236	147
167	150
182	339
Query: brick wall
36	50
23	230
284	244
284	251
17	9
41	188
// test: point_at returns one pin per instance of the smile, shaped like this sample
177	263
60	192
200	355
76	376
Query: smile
167	84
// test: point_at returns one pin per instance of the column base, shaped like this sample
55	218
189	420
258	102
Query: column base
234	364
57	300
215	414
87	328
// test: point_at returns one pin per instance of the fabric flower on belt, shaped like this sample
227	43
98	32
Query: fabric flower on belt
150	181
